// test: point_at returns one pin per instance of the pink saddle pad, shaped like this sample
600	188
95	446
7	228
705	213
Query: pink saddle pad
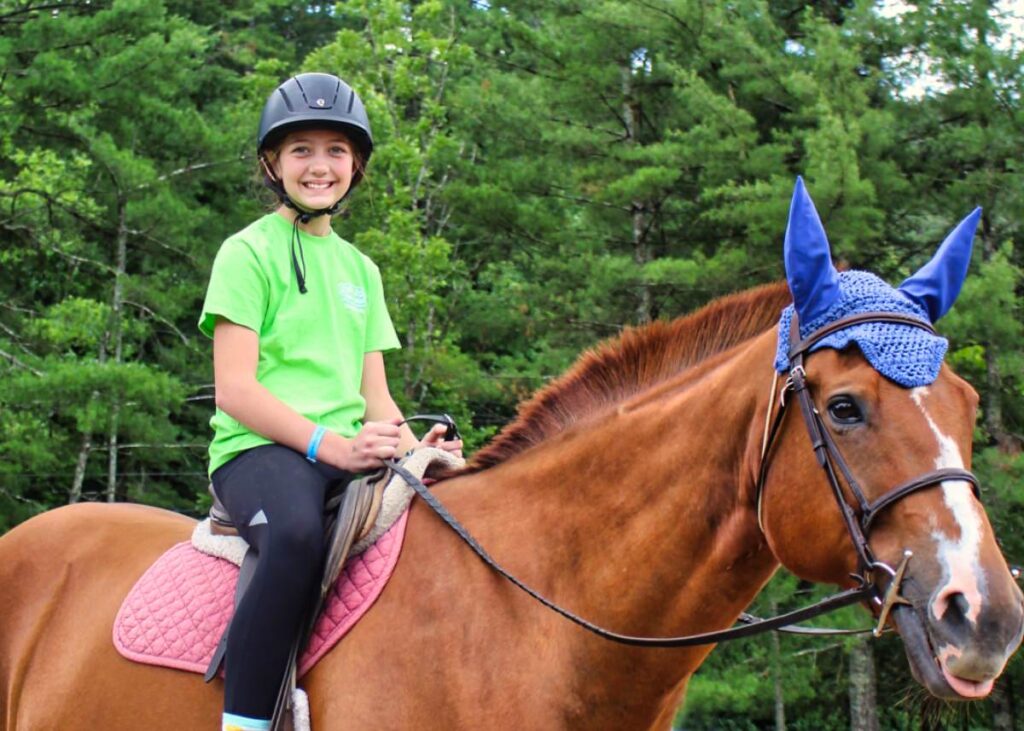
176	613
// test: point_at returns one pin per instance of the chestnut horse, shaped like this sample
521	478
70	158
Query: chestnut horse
627	492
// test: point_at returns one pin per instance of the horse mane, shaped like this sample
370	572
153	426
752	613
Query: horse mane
623	366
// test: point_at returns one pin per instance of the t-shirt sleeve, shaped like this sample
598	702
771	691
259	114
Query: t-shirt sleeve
238	291
380	331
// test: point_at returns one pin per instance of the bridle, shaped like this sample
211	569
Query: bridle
857	519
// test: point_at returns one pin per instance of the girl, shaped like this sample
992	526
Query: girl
298	322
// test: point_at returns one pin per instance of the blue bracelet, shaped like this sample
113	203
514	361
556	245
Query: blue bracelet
314	442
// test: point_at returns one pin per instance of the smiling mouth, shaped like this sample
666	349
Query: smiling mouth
318	185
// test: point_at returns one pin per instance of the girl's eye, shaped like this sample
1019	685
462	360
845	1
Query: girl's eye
844	411
300	150
339	150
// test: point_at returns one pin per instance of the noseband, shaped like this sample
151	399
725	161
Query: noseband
859	517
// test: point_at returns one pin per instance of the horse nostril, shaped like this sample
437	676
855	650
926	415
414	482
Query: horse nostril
953	608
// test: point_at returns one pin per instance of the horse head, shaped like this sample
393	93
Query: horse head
895	429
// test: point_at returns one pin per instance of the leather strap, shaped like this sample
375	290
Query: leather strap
752	625
800	347
245	574
926	480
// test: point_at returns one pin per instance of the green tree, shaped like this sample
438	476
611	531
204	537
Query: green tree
964	144
105	169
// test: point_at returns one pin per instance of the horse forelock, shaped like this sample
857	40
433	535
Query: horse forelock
624	366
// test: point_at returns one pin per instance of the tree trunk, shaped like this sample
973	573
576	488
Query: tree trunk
641	256
641	253
117	335
993	396
75	493
776	660
863	691
112	454
994	423
113	335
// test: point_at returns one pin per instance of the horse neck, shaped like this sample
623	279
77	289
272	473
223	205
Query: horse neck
642	521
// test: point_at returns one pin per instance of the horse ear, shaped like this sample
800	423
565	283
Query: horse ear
813	280
936	285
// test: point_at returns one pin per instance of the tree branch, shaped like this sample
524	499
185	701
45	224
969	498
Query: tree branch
5	18
190	168
145	235
163	320
14	359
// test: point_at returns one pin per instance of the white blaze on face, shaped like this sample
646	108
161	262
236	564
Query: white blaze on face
960	558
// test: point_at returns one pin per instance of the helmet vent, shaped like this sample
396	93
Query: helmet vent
287	101
316	102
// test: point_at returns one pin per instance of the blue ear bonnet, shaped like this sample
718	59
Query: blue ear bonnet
904	354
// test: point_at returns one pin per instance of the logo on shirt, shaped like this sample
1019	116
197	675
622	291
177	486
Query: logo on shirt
352	296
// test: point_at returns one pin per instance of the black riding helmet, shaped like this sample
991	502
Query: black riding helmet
316	100
309	101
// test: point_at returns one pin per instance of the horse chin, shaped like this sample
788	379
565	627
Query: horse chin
927	669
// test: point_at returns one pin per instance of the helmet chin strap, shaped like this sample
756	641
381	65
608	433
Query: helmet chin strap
302	215
306	215
271	180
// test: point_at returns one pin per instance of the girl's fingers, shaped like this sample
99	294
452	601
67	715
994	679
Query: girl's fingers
435	435
384	430
375	447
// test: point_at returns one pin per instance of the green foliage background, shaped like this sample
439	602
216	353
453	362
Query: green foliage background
545	174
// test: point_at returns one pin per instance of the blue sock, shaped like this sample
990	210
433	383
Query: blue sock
231	722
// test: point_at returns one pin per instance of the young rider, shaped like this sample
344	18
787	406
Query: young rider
299	323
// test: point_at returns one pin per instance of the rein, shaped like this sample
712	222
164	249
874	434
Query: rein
858	521
752	625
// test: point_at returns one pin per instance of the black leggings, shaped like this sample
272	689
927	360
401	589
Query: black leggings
275	497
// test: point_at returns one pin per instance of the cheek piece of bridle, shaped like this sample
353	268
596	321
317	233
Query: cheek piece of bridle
857	518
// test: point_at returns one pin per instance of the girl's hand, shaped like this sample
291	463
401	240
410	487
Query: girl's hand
375	442
435	438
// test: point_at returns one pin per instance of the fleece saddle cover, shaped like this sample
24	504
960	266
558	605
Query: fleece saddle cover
176	613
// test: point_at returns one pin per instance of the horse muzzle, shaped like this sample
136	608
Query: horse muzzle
953	658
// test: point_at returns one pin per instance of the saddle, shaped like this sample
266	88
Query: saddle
222	525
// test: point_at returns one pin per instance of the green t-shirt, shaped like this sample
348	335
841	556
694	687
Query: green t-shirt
311	345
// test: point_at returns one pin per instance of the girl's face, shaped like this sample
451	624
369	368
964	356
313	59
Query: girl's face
315	167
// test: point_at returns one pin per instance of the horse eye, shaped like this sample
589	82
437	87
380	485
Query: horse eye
844	411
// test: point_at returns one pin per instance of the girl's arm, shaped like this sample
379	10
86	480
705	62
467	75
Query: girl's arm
379	404
241	396
381	407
